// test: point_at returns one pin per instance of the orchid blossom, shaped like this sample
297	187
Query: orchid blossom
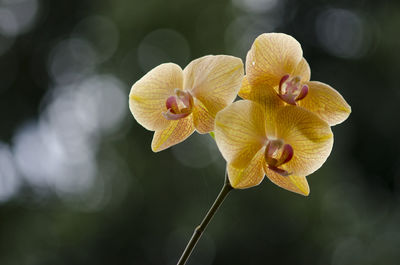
275	68
286	143
175	102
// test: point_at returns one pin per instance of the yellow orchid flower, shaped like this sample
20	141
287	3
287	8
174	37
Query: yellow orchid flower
286	143
275	68
174	102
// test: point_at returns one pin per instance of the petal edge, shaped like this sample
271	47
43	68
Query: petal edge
326	102
250	176
176	132
148	95
291	183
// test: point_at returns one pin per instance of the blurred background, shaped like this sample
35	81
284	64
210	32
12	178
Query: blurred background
79	183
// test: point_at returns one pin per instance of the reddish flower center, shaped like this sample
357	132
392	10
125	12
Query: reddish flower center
291	90
179	106
278	153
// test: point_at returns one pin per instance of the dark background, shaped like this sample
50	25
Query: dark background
79	183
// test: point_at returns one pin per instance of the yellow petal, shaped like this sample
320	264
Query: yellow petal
240	132
310	137
260	93
148	95
271	105
303	70
272	56
175	132
203	120
326	102
214	80
267	98
245	89
292	183
251	175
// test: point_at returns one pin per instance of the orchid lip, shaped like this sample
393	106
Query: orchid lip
291	90
178	106
280	171
277	153
303	93
172	116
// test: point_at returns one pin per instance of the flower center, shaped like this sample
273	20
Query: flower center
278	153
291	89
179	106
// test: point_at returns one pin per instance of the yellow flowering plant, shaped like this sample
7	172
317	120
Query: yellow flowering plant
280	130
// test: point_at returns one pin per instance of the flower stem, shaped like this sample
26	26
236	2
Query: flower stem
198	231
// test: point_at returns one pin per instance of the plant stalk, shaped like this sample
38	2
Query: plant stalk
198	231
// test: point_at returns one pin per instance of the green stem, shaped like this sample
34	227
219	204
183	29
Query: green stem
202	227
